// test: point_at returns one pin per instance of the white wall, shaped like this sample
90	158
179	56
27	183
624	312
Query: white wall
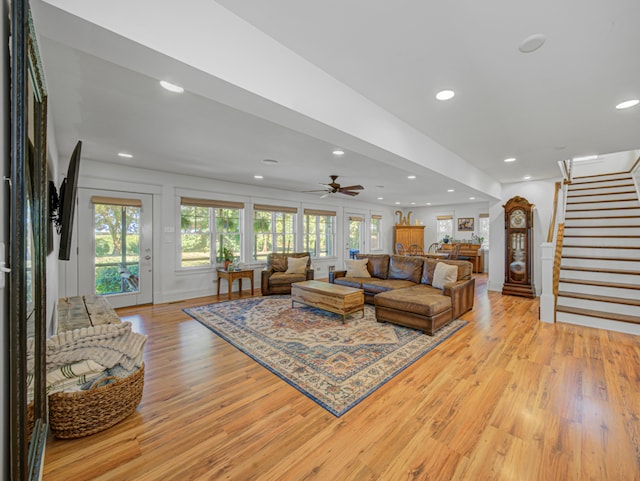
170	282
617	162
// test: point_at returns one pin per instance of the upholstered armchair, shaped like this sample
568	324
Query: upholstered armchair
280	272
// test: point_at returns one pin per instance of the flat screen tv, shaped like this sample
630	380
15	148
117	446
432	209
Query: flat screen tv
67	199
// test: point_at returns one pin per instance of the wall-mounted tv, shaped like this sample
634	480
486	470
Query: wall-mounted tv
67	203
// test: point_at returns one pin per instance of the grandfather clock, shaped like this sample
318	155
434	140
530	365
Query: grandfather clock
518	225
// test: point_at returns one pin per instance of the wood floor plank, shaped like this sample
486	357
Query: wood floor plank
506	397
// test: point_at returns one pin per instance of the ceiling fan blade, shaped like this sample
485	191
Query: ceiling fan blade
326	194
352	187
319	190
348	192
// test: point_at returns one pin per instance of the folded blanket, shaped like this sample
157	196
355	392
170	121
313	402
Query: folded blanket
106	344
70	377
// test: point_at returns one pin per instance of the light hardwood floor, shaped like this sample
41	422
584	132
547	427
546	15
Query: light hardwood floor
506	398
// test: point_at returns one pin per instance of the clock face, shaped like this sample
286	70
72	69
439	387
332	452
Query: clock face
518	219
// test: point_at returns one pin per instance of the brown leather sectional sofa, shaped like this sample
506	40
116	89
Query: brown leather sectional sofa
400	288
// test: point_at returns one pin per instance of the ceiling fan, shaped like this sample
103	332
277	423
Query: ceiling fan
334	188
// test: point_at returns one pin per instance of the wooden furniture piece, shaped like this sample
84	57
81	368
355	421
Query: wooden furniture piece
328	297
471	252
415	250
230	276
518	225
409	235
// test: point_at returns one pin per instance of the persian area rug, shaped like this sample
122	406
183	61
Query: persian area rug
337	365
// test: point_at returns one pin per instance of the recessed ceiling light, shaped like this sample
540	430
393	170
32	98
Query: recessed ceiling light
171	87
380	198
445	95
450	190
526	177
627	104
397	203
532	43
413	203
258	177
428	203
125	155
510	159
269	161
472	198
411	177
338	152
583	158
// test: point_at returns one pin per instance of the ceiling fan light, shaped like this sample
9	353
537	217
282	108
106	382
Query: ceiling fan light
627	104
171	87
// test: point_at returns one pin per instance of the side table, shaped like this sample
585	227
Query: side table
230	276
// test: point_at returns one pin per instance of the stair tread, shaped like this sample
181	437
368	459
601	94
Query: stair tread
599	314
603	217
586	226
626	174
627	199
602	247
604	208
617	285
575	188
604	236
608	259
595	297
600	269
571	194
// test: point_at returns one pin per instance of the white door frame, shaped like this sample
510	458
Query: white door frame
86	247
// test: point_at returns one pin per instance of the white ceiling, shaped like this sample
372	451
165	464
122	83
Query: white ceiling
542	107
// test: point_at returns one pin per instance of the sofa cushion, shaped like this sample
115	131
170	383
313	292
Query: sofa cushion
465	269
444	274
297	265
350	281
374	286
405	267
282	278
378	265
357	268
422	300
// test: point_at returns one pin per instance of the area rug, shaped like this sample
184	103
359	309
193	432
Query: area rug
335	364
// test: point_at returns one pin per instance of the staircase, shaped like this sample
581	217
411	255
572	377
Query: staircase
599	283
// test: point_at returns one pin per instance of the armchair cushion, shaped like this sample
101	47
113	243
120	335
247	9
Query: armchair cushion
297	265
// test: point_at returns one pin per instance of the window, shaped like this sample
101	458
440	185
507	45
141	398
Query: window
274	230
483	229
444	227
376	239
319	232
199	240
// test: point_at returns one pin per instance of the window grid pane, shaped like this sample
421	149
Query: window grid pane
195	236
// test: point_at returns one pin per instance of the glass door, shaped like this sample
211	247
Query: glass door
114	257
355	234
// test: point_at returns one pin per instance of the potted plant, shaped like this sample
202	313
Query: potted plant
226	256
445	239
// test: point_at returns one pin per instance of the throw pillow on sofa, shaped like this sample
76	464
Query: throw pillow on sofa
444	274
357	268
297	265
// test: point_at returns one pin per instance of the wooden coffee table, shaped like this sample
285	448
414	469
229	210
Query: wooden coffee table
328	297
